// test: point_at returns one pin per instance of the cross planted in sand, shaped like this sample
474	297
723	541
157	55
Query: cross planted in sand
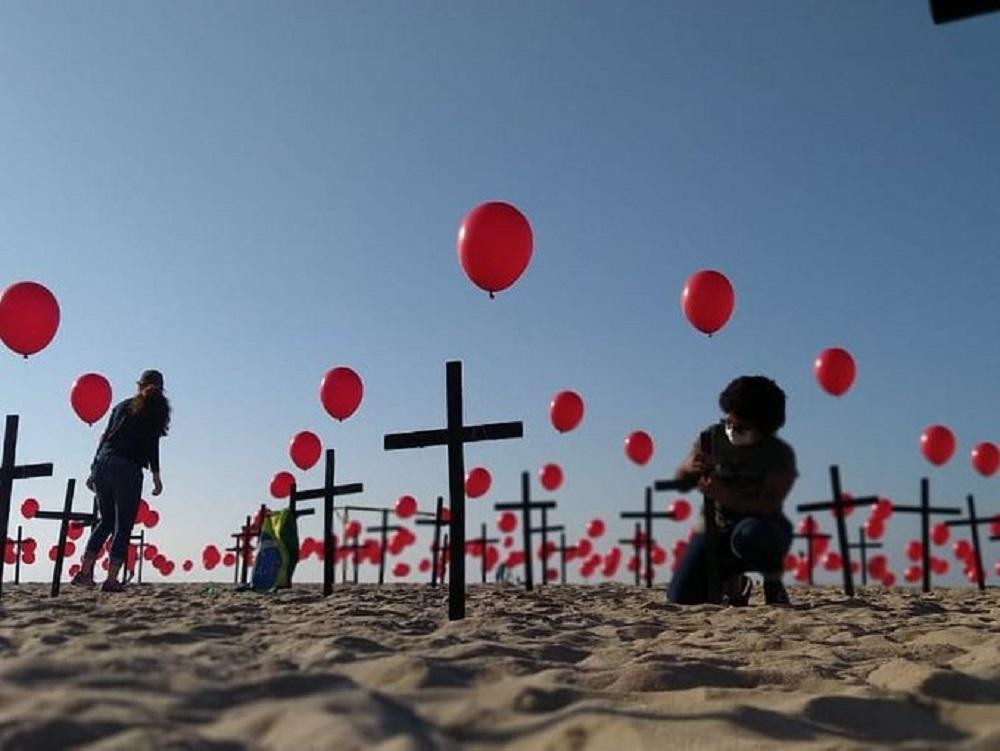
647	514
563	549
809	535
925	510
383	529
455	436
65	516
973	523
483	542
10	471
140	546
18	545
525	506
544	532
636	542
438	520
242	548
864	545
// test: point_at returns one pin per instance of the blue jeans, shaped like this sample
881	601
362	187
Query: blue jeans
755	543
119	486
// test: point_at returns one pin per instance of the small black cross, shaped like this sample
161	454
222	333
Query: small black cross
258	528
563	549
383	529
544	531
809	535
9	472
648	515
974	521
925	510
64	517
141	553
455	436
864	545
244	547
17	545
483	542
327	493
636	542
352	548
438	521
525	506
838	504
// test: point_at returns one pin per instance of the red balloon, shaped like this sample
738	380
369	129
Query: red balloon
281	484
834	370
353	528
808	525
963	549
425	565
913	573
940	533
445	514
229	559
914	550
985	458
882	510
29	317
406	507
187	565
681	509
159	561
708	300
889	579
995	525
28	557
878	566
846	509
939	566
551	476
595	528
639	447
401	570
74	530
507	522
832	561
611	562
340	392
152	519
874	528
150	552
210	557
566	410
494	245
305	449
937	444
29	508
477	482
90	397
584	547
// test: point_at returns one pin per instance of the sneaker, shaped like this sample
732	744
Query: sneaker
83	580
112	585
775	593
736	591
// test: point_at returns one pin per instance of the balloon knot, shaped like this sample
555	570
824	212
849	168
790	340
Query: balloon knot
492	296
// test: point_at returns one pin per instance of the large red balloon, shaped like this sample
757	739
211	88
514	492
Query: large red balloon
305	449
29	317
708	300
639	447
281	484
566	410
494	245
90	397
29	508
595	527
937	444
340	392
551	476
985	458
681	509
406	506
477	482
834	370
507	522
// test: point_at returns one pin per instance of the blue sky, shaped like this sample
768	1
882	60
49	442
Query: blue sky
247	194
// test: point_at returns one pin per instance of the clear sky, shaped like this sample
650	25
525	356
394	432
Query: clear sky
245	194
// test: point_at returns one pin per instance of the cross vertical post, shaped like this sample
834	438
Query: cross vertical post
526	505
563	550
544	530
383	529
648	515
64	517
925	510
438	522
973	522
809	535
864	545
483	542
635	541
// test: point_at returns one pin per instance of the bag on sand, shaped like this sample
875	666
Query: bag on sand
277	552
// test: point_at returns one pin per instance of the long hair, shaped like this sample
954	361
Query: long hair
150	405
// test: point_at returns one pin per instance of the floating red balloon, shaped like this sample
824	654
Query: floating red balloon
29	508
913	573
985	458
477	482
595	528
210	557
494	245
281	484
832	561
882	509
401	570
340	392
708	300
940	533
915	550
305	449
90	397
681	509
353	528
29	317
963	549
507	522
874	528
878	565
889	579
639	447
406	506
937	444
566	410
551	476
187	565
835	370
152	519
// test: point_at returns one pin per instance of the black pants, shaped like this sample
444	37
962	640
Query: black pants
119	486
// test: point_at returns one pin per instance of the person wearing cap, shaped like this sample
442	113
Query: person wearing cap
130	443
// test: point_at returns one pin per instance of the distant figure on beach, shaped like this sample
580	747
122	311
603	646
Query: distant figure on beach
130	443
748	471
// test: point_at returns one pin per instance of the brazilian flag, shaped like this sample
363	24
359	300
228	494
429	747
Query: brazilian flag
277	553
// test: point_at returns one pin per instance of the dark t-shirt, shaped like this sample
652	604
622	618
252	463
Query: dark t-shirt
132	436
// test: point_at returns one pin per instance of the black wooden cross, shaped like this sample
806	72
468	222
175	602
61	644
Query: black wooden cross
563	549
236	550
258	529
864	545
973	522
438	521
9	472
525	506
352	548
838	505
925	510
327	493
18	545
64	517
244	548
383	529
483	541
544	531
636	542
946	11
809	535
141	546
455	436
648	515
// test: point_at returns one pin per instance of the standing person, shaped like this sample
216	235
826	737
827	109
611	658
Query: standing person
748	471
130	443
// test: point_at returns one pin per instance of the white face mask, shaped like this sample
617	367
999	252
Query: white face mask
747	438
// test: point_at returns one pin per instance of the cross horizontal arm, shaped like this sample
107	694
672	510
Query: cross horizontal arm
304	512
930	509
969	522
352	488
866	545
559	528
819	536
514	505
867	500
417	439
361	508
311	495
75	516
27	471
492	432
673	485
643	515
390	528
432	520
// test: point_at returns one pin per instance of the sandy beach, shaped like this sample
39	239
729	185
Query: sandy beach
202	666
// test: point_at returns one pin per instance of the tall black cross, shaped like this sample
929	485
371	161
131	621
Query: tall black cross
636	542
864	545
484	542
525	506
328	492
140	547
383	529
945	11
925	510
438	521
10	471
64	517
563	549
648	515
838	505
809	535
544	531
973	522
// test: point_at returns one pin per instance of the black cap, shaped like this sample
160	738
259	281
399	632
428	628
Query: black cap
152	377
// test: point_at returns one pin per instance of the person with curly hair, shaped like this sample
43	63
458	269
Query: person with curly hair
748	471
